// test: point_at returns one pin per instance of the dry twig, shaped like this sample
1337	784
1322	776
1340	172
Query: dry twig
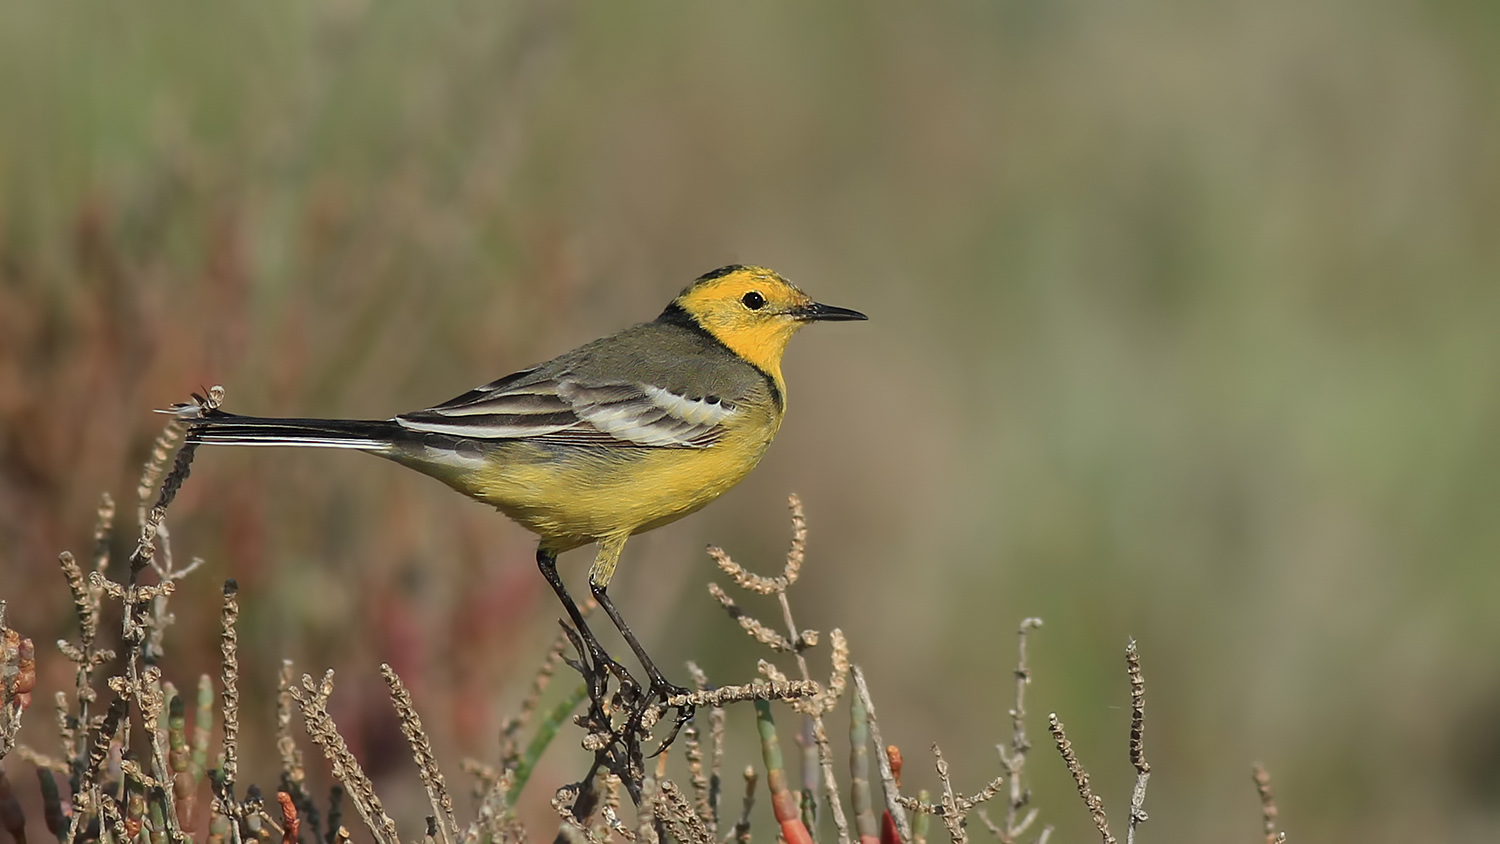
796	642
312	699
1014	761
1081	778
953	808
892	788
229	644
687	825
1268	812
421	748
741	834
1137	740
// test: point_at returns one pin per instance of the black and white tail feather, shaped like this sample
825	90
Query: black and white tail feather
215	427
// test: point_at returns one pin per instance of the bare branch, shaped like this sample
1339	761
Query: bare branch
1137	740
1268	812
887	774
312	699
1081	777
421	748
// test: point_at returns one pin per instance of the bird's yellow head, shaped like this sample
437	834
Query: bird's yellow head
753	311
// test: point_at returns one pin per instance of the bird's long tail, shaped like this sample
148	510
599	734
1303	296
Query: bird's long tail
216	427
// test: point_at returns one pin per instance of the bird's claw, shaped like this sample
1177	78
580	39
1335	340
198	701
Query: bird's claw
664	691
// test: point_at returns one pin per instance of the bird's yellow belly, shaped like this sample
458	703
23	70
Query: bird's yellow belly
572	496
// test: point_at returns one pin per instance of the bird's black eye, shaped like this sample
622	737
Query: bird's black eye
754	301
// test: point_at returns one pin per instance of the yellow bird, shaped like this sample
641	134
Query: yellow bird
619	436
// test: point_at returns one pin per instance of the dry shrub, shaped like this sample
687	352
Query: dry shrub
134	771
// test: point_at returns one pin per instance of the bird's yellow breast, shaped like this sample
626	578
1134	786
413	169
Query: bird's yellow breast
574	495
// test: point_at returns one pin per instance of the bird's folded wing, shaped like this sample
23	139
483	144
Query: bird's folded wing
568	410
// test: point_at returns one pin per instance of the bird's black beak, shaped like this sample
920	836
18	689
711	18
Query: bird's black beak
818	312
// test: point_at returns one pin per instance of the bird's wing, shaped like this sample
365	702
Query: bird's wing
568	409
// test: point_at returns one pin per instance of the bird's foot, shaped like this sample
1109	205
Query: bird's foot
660	694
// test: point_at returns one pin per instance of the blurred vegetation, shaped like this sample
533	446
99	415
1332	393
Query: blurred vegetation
1183	327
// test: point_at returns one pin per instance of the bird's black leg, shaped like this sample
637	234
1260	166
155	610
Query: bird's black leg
660	686
603	663
599	577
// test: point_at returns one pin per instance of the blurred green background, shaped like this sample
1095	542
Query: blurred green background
1183	327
